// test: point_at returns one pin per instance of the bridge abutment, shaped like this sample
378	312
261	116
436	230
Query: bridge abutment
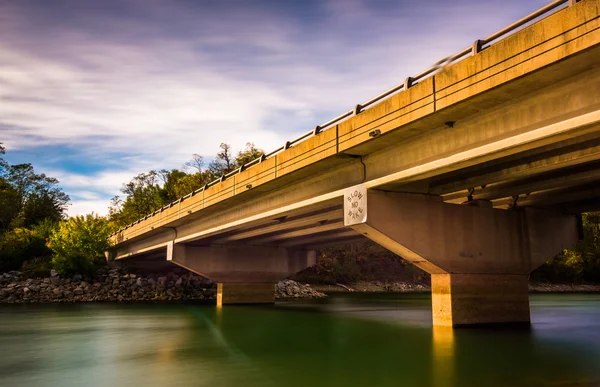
479	258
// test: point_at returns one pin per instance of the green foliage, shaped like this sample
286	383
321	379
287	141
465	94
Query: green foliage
27	198
79	244
581	263
10	201
250	153
19	245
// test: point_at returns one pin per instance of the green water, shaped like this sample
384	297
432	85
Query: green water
364	340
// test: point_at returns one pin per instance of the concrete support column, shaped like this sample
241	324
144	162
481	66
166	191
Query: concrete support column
472	299
479	258
245	293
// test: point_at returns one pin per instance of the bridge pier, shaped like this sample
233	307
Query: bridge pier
479	258
245	293
244	274
467	299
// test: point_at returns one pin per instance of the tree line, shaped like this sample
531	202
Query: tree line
149	191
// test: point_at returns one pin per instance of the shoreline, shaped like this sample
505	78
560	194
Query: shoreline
114	285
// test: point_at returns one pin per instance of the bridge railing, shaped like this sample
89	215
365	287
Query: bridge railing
476	47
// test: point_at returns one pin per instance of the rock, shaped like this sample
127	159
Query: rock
179	282
77	277
78	291
53	273
292	289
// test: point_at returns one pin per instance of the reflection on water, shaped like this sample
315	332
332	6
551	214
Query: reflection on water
351	340
443	356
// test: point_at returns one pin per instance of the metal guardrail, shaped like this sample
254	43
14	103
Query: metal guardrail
476	47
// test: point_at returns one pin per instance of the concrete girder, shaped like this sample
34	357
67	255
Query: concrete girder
337	242
552	197
285	223
524	167
557	180
322	238
313	229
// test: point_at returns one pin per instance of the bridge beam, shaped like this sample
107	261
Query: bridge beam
479	257
244	274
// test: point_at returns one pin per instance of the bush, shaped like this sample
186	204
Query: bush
79	244
20	245
580	263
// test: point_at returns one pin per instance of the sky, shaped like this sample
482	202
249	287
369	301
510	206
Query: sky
95	92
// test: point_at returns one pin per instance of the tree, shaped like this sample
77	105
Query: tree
197	163
223	163
171	179
250	153
147	192
21	244
9	204
79	244
27	198
3	164
143	196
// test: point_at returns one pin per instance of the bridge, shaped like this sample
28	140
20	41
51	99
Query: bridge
474	170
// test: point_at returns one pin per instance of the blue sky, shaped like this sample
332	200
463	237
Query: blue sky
94	92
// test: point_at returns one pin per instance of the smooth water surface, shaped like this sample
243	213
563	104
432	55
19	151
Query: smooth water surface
351	340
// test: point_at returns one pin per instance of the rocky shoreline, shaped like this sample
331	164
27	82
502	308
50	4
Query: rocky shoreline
113	285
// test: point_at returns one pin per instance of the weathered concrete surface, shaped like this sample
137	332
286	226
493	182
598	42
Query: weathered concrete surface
473	299
447	238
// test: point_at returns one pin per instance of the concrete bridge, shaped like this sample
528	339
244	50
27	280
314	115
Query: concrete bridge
474	171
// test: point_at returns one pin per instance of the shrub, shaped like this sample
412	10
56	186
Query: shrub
79	244
20	245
